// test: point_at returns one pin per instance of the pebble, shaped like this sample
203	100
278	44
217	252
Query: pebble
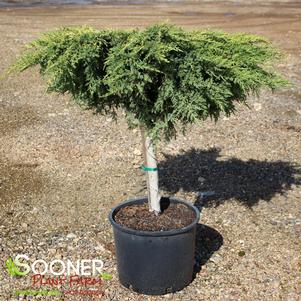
241	242
71	236
168	296
100	248
58	256
24	226
52	251
35	210
257	106
216	258
136	162
76	240
137	152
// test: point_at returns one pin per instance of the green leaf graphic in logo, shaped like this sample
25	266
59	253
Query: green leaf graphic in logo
13	269
105	276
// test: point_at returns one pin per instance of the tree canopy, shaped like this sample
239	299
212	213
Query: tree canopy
161	76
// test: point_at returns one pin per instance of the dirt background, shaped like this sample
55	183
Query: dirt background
62	169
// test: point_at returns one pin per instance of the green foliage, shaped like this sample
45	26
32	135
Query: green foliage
160	76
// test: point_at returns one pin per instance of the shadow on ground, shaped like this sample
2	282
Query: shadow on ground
246	181
208	241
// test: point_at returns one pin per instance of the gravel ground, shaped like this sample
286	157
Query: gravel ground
62	169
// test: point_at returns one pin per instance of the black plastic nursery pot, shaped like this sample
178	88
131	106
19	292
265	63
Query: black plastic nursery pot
154	263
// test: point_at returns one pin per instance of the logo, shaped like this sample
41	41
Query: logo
47	275
56	267
12	267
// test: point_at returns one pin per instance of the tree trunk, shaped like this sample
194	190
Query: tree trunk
152	178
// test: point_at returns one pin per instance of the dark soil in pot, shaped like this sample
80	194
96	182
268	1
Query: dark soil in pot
138	217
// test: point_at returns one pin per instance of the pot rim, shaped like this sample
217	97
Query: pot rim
152	233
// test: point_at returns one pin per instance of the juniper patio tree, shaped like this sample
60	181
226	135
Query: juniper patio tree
163	77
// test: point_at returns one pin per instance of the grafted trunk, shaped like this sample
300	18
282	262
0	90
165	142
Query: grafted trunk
151	170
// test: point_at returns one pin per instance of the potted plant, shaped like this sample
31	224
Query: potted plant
163	77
